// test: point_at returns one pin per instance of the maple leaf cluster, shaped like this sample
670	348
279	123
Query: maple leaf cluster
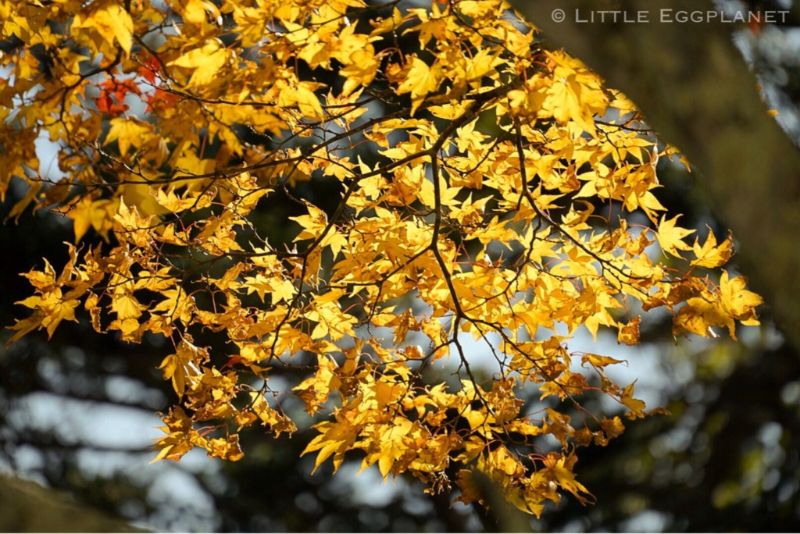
499	186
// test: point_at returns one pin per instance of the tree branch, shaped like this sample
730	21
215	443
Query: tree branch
696	91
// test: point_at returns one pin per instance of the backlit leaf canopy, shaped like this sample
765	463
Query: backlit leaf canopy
473	184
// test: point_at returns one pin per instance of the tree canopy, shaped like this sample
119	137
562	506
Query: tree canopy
344	192
695	88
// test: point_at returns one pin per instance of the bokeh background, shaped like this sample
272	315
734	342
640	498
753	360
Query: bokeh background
79	412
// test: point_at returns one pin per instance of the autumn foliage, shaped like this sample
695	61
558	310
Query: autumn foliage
487	187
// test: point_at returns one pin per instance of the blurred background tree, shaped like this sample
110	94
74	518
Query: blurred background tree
726	458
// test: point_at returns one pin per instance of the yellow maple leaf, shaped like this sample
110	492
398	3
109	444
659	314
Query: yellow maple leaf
314	391
269	416
629	333
111	21
360	71
89	213
598	360
560	469
670	236
738	301
420	80
205	61
127	133
307	101
392	443
334	438
711	255
636	406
